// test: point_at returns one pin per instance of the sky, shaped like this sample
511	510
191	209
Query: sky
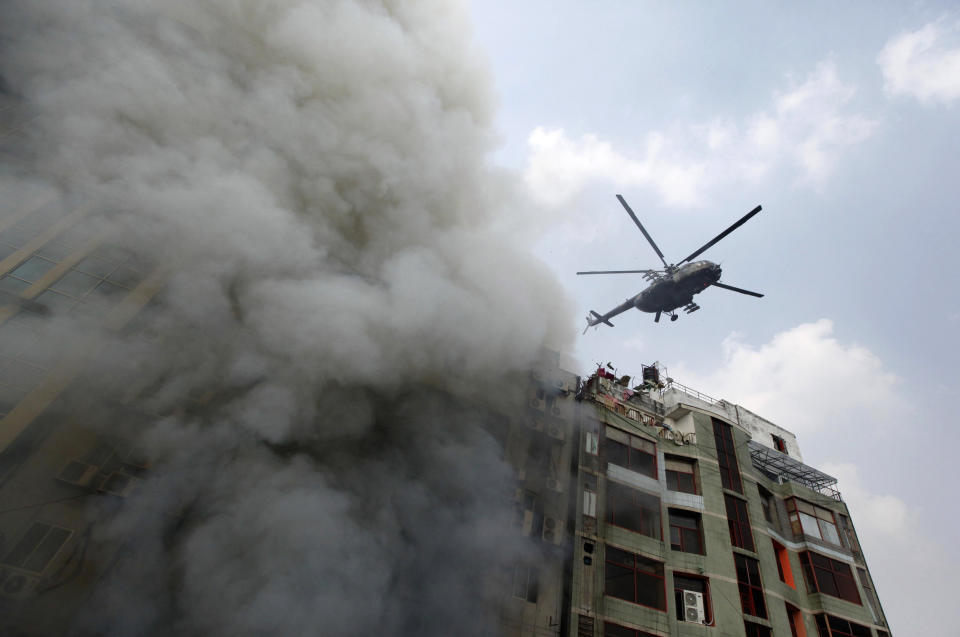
841	120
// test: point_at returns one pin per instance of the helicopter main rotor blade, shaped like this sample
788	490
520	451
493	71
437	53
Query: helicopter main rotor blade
720	236
618	271
740	290
643	230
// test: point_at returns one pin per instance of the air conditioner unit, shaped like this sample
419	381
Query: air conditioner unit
554	485
15	585
537	403
562	385
552	531
555	410
693	608
536	374
78	474
555	431
535	423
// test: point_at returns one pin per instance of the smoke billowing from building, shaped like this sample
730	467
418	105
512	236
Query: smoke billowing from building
337	309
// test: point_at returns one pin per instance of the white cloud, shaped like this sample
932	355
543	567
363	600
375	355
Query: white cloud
835	393
911	572
809	125
779	379
924	64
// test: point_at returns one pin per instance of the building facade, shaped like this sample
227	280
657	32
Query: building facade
691	516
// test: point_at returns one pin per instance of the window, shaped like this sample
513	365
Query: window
872	600
591	443
768	504
779	443
633	510
795	617
756	630
809	519
632	452
783	564
847	532
686	533
589	503
681	474
751	588
634	578
37	548
739	522
526	584
615	630
829	576
726	456
830	626
690	583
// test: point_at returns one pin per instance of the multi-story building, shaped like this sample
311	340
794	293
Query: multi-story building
687	516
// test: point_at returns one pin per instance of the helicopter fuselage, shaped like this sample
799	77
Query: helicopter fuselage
676	289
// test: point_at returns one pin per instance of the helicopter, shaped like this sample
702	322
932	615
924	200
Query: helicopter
673	286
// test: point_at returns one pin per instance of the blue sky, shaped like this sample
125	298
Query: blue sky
841	119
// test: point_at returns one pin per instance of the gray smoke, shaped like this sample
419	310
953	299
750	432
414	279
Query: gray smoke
344	313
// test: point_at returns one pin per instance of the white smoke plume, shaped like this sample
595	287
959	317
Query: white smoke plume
313	176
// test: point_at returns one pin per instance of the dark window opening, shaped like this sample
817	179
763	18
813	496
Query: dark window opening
681	474
633	510
686	531
769	505
615	630
526	583
727	456
634	578
738	521
829	576
779	443
756	630
830	626
795	617
631	452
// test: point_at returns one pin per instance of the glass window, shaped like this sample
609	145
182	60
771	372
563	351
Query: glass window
829	576
525	583
75	283
685	531
631	452
756	630
97	267
751	588
13	286
830	626
615	630
32	269
727	456
808	519
633	510
38	546
634	578
589	503
738	522
681	474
